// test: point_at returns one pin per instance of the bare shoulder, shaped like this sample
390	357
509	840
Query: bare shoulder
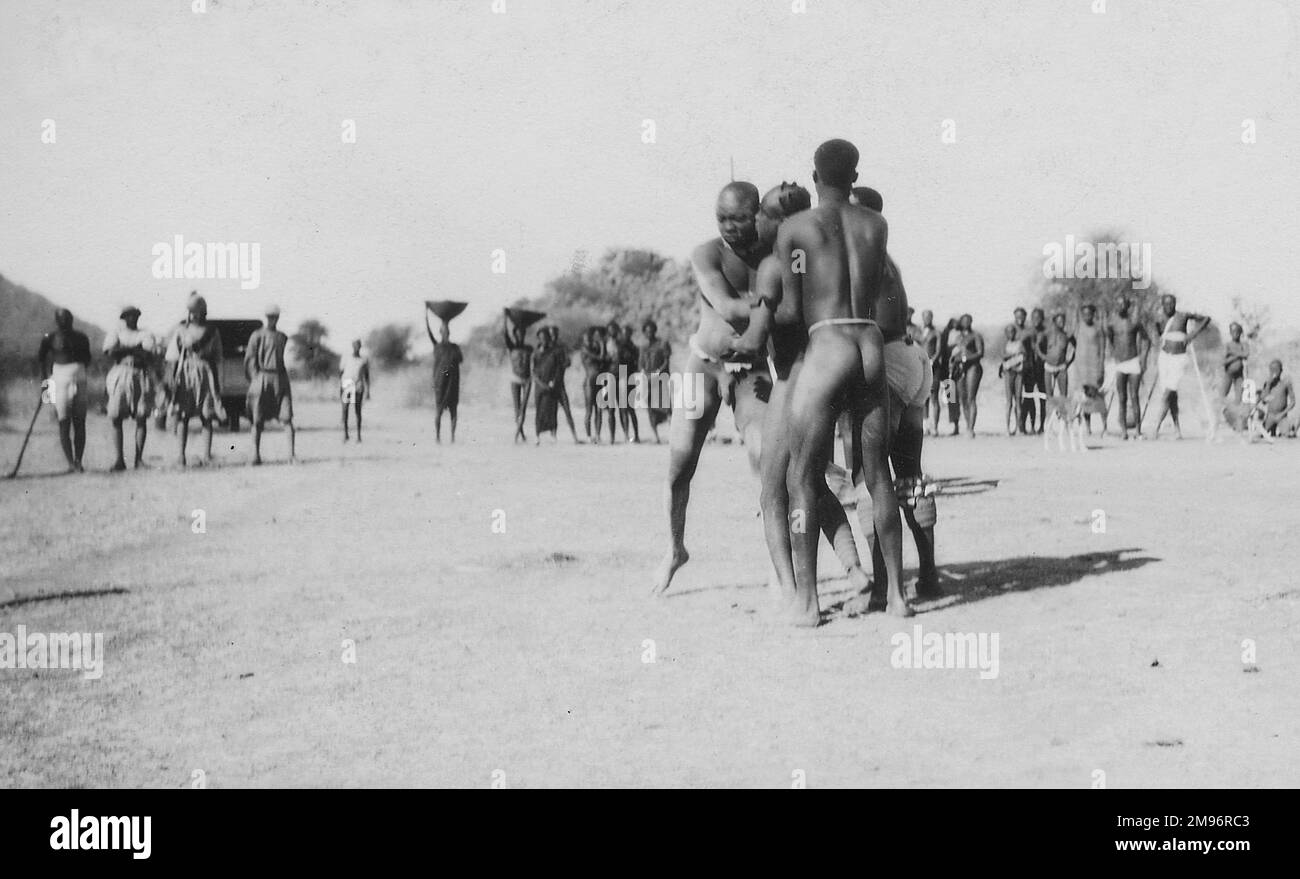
869	221
708	254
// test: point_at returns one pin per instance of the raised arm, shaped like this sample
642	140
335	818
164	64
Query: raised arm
1202	321
428	328
714	285
505	330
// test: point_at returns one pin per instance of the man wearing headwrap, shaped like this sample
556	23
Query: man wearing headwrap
68	351
195	357
269	396
130	382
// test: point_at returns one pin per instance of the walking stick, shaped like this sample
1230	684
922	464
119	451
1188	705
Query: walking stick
1205	397
40	401
1142	413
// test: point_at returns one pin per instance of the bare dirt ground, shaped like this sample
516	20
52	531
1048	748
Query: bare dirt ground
521	656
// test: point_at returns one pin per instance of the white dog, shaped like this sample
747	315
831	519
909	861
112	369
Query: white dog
1066	415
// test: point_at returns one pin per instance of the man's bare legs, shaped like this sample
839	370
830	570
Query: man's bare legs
686	435
969	388
837	357
905	453
119	462
207	439
592	417
519	395
1168	406
1126	386
72	449
1013	387
774	464
568	414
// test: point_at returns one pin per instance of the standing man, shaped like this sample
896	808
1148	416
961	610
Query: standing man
269	396
1235	353
776	323
354	384
1011	371
593	365
654	361
521	376
833	262
970	357
195	354
1089	355
1059	349
1025	336
546	402
130	382
931	344
1177	334
1129	344
563	359
446	376
725	267
1035	368
68	351
629	362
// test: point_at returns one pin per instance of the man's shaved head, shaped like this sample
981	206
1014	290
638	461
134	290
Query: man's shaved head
737	212
780	202
786	199
740	192
868	198
63	319
836	162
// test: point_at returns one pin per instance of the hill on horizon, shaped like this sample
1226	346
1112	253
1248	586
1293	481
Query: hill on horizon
25	316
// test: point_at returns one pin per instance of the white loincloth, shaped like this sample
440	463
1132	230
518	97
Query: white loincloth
908	372
1132	366
66	390
1172	367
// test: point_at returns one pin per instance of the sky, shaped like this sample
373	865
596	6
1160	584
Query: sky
523	133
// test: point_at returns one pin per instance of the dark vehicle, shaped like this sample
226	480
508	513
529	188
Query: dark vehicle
234	383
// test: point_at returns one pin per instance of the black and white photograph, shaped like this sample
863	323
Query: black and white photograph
690	394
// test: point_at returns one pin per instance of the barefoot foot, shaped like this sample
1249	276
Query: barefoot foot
667	568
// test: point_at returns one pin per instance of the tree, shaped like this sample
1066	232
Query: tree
1071	294
312	355
1255	320
390	343
627	285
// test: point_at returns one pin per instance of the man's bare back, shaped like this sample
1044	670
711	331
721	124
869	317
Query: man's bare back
833	263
